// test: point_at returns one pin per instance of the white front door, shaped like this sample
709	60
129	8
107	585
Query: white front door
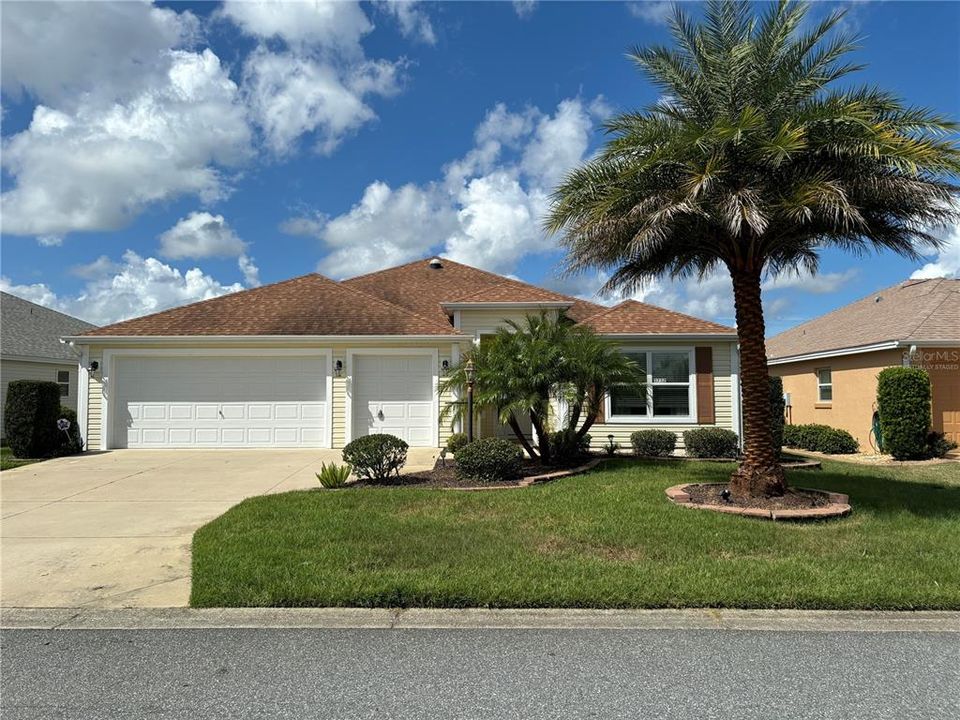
394	394
219	401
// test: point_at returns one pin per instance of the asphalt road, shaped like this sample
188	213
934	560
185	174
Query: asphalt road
528	674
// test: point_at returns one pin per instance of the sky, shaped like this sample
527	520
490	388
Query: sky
158	154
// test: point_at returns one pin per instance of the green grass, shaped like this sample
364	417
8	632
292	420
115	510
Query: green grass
606	539
8	461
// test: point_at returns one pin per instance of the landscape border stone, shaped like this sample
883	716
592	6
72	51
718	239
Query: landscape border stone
838	507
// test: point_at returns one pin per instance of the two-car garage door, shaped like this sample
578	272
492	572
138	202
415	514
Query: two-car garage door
220	401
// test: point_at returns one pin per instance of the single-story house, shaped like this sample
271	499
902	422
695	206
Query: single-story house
30	347
830	364
310	362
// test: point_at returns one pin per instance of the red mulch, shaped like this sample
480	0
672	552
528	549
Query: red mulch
794	499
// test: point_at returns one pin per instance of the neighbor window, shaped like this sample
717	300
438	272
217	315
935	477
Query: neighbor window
666	393
824	385
63	380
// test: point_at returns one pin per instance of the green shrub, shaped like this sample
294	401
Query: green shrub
820	438
376	458
69	441
711	442
938	446
456	442
333	475
653	443
903	400
30	418
490	460
777	409
566	446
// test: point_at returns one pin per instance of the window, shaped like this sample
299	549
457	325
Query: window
824	385
667	393
63	380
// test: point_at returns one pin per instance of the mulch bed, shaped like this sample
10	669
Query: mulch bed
793	500
444	475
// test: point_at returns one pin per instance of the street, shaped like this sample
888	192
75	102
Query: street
479	673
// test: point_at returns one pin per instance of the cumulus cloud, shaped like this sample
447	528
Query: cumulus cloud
816	283
332	24
524	8
201	235
250	271
947	262
655	12
135	286
97	167
412	18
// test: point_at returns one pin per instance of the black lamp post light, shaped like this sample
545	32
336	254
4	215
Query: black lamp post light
470	370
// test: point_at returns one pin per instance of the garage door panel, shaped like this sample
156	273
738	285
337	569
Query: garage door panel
394	394
220	401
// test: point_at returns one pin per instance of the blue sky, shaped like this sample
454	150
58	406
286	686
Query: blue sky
155	155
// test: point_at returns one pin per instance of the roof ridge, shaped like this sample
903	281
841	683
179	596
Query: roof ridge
509	281
383	301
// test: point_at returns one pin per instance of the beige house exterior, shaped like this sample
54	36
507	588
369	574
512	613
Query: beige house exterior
830	365
315	363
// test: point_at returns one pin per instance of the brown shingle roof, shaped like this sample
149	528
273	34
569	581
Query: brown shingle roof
636	318
512	291
914	310
306	305
420	288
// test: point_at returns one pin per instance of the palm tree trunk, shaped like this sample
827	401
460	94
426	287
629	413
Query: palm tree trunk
760	473
543	439
518	431
596	397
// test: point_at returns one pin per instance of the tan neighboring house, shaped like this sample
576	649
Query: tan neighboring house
829	365
311	362
30	348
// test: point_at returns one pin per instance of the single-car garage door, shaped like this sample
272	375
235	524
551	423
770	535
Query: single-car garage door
394	394
219	401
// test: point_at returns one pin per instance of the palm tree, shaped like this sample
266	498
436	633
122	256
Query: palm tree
753	162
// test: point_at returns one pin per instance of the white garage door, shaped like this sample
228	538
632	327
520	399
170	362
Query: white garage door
394	394
224	401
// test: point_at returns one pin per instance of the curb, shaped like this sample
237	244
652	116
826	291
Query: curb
479	619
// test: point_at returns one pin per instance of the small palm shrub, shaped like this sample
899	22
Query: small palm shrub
903	400
711	442
653	443
30	418
457	442
490	460
820	438
566	446
376	458
333	475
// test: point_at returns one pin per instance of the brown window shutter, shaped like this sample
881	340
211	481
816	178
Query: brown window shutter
704	360
600	410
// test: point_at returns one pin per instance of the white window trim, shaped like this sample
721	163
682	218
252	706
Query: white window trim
108	368
61	383
434	354
821	385
691	418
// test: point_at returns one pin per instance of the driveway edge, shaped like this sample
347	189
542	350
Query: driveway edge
470	619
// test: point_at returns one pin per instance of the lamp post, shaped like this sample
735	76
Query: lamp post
470	375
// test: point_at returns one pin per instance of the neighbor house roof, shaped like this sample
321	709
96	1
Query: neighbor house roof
29	330
636	318
306	305
914	311
421	288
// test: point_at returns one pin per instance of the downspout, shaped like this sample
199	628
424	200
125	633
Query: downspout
83	387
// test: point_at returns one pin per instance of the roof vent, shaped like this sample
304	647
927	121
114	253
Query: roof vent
878	298
435	264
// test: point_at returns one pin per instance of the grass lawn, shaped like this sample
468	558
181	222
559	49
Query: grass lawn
8	461
606	539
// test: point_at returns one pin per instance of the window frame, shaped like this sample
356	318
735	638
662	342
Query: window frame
64	384
650	418
821	385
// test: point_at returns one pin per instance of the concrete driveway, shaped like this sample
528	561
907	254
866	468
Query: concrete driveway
113	529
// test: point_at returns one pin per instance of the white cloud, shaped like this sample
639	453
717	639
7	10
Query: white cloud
96	168
50	240
947	262
656	12
201	235
335	25
524	8
818	284
558	144
412	18
304	226
136	286
251	273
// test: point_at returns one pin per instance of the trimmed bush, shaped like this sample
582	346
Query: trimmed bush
566	446
30	418
938	445
820	438
903	400
711	442
777	409
376	458
456	442
653	443
70	441
333	476
490	460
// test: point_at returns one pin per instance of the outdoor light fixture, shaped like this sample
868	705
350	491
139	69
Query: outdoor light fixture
470	376
338	368
445	366
94	366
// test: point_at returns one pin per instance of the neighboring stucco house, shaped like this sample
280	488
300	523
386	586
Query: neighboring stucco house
829	365
311	362
30	347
